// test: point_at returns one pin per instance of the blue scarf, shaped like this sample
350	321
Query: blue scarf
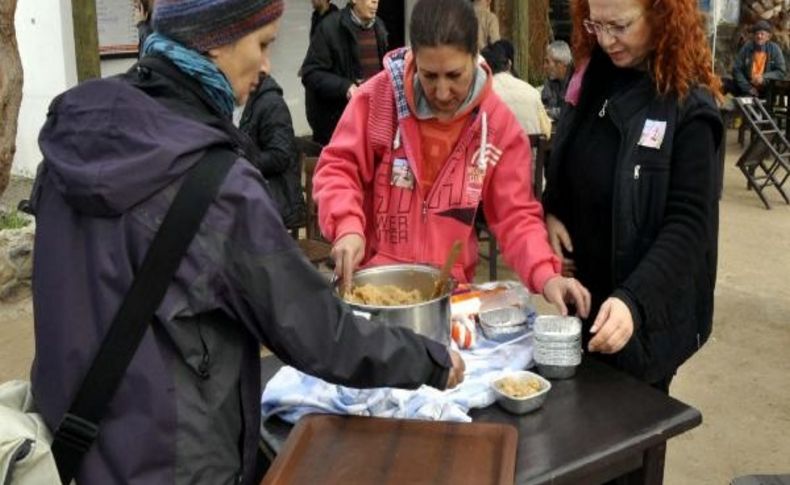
196	65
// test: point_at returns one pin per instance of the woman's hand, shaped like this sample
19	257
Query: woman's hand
456	375
560	289
347	253
561	243
613	327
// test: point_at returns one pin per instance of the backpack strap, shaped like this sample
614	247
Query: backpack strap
80	425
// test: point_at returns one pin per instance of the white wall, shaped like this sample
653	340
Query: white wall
46	46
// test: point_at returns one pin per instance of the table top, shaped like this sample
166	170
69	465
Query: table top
592	427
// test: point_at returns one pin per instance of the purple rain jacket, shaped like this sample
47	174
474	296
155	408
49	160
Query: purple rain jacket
187	411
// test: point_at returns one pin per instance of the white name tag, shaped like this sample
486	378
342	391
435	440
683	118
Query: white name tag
653	134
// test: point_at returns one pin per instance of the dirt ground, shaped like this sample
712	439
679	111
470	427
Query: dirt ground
740	380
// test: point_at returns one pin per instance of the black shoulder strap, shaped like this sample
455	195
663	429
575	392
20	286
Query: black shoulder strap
80	424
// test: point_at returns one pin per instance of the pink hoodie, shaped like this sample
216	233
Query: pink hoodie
365	183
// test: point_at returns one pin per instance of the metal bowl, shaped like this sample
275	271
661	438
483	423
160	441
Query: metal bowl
430	318
521	405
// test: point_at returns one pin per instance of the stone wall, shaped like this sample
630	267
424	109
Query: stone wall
16	258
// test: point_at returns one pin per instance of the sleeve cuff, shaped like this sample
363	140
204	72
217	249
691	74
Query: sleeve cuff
440	357
628	298
542	273
349	225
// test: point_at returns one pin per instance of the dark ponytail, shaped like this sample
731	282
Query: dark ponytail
436	23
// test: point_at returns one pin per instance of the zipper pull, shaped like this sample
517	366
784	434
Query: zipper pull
636	172
602	113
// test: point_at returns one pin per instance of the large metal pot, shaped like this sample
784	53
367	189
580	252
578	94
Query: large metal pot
430	318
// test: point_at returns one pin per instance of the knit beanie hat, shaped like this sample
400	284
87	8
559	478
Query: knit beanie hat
204	24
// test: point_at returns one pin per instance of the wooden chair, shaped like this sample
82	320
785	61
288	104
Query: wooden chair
766	160
540	150
315	247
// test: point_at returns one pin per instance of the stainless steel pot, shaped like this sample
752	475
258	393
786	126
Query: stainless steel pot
430	318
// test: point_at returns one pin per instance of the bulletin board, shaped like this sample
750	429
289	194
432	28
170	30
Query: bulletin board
117	29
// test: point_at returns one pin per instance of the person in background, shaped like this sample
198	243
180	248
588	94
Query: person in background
488	24
417	150
115	151
142	19
758	61
631	197
558	66
321	8
346	50
266	119
518	95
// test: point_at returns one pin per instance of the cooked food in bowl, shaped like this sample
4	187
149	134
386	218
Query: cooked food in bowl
521	392
383	295
519	388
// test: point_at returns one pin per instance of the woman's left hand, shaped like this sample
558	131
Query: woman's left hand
560	289
613	327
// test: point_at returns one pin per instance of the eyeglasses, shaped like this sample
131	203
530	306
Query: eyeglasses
613	29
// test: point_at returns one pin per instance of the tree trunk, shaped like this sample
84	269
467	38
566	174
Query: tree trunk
539	34
10	89
521	39
86	39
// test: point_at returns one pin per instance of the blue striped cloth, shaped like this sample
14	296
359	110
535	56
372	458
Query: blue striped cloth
291	394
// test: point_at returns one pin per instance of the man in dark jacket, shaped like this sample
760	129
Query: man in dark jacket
321	8
758	61
267	121
347	48
558	66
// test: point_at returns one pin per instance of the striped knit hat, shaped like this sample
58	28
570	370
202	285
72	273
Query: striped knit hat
205	24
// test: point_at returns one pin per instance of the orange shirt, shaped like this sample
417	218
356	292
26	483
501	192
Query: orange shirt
758	63
437	138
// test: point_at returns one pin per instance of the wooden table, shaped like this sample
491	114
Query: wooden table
600	425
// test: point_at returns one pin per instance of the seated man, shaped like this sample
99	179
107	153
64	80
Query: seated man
522	99
757	62
558	65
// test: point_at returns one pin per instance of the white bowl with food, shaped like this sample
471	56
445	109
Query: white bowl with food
520	392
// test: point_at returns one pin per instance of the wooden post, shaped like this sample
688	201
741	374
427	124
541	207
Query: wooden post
86	39
11	79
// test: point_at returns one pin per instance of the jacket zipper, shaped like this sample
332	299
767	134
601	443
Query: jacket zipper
615	193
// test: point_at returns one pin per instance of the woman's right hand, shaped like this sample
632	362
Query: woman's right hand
347	253
560	241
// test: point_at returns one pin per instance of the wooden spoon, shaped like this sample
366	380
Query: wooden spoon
444	275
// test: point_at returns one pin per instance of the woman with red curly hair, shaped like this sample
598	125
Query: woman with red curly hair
631	198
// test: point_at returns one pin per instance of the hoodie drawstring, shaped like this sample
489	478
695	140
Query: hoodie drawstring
481	160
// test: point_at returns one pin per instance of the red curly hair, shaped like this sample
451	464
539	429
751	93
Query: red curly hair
681	56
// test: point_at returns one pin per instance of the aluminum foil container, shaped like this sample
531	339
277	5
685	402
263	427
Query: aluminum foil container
503	324
557	350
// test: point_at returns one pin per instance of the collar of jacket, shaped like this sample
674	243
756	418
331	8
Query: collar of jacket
163	81
347	22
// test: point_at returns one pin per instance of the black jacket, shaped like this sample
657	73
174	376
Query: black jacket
330	67
664	219
267	121
316	18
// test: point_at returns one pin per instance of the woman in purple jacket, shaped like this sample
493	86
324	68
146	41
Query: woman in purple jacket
115	152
